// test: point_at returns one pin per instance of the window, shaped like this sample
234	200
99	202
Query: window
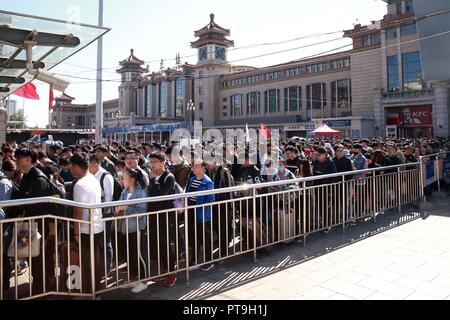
163	99
292	72
80	121
130	77
200	91
412	70
316	96
365	41
408	29
273	76
236	105
399	8
340	64
374	39
392	74
253	103
149	100
316	68
409	6
272	101
292	99
200	106
224	99
180	88
341	94
391	33
200	75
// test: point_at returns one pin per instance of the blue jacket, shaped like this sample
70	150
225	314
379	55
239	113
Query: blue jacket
138	193
206	184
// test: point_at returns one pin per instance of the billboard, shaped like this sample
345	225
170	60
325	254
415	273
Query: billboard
434	31
411	116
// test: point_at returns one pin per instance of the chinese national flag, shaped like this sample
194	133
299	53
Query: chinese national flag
51	99
265	131
28	91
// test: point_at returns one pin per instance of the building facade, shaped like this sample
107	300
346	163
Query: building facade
374	89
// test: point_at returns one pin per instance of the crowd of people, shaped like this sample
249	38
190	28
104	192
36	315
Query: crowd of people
93	174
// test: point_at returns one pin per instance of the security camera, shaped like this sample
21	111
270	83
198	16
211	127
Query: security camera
58	83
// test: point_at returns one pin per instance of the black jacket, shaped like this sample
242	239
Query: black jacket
34	185
248	173
163	187
109	166
324	168
344	165
221	183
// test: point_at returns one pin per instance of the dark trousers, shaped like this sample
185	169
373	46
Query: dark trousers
162	241
133	257
37	263
199	227
109	247
86	261
6	269
223	227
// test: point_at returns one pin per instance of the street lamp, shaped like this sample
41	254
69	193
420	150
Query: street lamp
190	108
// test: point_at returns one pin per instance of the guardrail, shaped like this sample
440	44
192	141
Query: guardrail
154	244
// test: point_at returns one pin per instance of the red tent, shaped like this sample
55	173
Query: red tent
325	130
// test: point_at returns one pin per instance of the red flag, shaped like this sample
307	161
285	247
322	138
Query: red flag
265	131
28	91
51	99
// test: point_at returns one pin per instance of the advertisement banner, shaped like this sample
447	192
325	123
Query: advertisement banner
431	172
416	116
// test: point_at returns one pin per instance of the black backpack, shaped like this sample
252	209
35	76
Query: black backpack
56	191
117	189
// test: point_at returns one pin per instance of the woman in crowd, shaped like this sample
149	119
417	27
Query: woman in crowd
134	188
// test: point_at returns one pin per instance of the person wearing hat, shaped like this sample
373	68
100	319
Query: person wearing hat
330	150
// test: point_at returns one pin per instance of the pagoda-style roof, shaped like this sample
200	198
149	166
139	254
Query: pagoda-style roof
212	33
212	27
65	97
131	64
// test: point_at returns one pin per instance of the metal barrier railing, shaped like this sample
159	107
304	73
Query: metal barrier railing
151	245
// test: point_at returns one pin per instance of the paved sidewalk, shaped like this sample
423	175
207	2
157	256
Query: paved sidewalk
398	257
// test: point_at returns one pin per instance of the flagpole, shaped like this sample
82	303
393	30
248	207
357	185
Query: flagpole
99	102
49	109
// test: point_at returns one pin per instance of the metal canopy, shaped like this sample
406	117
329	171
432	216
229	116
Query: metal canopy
53	42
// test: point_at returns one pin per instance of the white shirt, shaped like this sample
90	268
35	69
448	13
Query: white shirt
108	184
87	190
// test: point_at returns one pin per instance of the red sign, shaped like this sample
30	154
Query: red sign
416	116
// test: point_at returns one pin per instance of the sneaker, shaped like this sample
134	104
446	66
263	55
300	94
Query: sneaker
326	231
207	267
171	280
353	223
140	287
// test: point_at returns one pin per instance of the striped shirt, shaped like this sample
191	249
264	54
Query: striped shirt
194	188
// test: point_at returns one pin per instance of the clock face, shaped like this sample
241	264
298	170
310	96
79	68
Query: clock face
203	54
220	53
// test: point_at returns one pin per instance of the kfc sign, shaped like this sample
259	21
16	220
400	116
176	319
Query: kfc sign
415	116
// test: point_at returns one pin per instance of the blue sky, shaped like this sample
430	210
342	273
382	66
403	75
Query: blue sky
159	29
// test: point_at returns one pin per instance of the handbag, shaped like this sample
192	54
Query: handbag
25	241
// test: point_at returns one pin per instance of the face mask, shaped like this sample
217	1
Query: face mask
281	168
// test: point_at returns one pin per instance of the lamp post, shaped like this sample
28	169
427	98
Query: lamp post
190	108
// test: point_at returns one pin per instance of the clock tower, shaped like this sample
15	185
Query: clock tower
212	45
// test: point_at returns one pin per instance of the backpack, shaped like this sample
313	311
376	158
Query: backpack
57	191
230	177
178	203
117	187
